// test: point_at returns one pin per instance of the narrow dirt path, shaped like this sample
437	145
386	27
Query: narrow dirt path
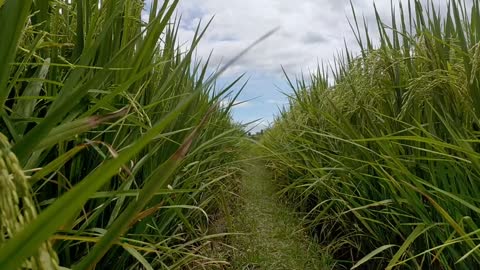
274	237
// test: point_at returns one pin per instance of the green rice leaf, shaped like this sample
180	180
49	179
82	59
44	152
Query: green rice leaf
372	254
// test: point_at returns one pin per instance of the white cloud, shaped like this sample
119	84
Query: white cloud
310	30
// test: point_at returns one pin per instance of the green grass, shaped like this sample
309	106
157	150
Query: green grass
265	233
118	130
384	161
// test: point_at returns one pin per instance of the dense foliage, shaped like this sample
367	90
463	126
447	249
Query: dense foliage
120	133
385	161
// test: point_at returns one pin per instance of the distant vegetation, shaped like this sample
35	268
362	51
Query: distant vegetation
385	162
124	147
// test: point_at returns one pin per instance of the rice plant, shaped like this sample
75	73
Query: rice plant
385	161
118	131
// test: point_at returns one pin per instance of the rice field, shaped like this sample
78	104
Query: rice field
118	149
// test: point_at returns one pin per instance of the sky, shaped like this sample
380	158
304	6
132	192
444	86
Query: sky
309	32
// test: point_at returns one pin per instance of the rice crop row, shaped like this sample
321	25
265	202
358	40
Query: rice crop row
118	131
384	161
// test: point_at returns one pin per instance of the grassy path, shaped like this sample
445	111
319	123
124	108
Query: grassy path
274	236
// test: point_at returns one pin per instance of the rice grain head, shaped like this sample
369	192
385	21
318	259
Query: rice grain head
17	208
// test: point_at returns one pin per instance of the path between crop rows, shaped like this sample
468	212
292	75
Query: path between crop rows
274	236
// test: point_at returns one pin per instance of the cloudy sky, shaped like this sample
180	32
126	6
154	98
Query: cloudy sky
310	31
